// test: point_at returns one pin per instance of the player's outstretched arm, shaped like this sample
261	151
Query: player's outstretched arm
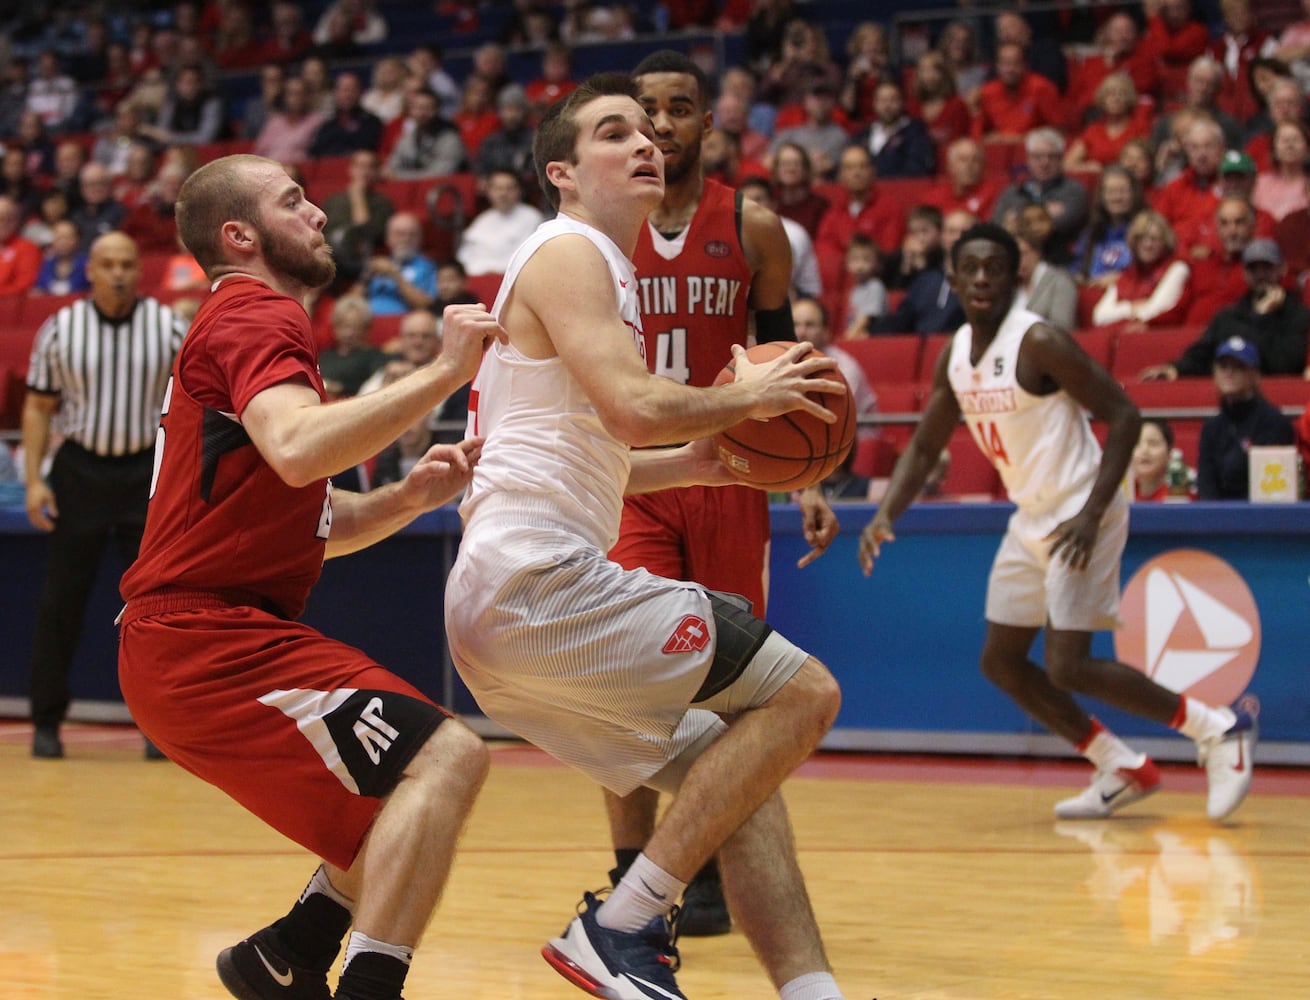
567	292
940	416
360	519
694	464
305	440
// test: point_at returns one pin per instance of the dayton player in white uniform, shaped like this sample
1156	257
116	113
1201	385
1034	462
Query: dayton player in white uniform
601	666
1022	387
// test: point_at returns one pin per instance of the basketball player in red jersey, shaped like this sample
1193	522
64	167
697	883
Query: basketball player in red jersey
708	262
309	734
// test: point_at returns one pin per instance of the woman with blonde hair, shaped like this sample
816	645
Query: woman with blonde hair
1153	289
1101	142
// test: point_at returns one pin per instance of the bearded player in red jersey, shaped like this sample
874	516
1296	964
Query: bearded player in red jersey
708	261
307	733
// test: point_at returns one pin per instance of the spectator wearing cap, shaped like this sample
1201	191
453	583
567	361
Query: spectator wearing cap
1245	418
1237	179
899	143
819	135
1281	190
1016	101
1046	184
1268	320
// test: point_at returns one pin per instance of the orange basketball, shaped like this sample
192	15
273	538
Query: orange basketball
792	450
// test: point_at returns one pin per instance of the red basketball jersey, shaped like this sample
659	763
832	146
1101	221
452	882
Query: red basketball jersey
220	518
694	305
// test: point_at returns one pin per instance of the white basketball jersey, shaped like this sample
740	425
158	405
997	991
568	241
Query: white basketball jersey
1042	446
543	436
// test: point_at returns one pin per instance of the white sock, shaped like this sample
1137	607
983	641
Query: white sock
646	891
320	883
1109	753
1203	722
362	942
811	986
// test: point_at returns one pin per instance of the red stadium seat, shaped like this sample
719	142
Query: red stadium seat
970	474
384	329
898	398
874	457
1286	390
1098	343
887	359
1187	436
933	345
485	287
1135	351
1184	394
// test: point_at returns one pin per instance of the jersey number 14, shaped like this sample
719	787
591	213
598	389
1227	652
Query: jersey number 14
989	440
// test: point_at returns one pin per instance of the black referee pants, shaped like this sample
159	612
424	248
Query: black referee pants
98	499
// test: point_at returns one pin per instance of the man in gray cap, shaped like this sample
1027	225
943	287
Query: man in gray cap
1266	317
1245	418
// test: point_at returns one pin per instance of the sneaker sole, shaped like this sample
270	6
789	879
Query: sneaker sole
1121	803
573	972
232	980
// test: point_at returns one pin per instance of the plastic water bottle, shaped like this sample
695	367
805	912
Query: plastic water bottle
1176	475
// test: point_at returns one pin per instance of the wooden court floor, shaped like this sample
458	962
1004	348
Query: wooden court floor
933	880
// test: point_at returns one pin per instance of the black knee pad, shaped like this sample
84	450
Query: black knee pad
739	635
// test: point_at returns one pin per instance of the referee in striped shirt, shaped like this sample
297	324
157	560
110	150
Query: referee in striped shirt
98	373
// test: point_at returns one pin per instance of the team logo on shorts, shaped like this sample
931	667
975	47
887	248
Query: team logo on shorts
691	636
1192	625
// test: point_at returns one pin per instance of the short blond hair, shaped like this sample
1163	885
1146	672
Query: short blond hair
218	192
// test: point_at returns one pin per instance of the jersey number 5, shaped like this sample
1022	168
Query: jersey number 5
671	355
989	440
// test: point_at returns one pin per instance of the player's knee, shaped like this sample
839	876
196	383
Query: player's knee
819	690
1066	672
454	754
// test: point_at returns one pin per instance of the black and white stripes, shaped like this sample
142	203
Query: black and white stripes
110	375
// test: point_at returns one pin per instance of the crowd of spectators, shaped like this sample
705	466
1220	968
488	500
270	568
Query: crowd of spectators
1135	150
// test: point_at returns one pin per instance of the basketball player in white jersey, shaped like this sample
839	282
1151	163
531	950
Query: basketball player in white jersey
1024	388
620	673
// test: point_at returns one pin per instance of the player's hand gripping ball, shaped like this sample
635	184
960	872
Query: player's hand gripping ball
792	450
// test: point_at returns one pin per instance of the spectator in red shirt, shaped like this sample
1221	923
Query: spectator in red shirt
556	78
1193	194
932	98
289	38
732	115
1017	101
1218	279
1173	39
1236	49
476	118
964	186
1118	51
1286	103
20	259
793	187
1237	177
1119	119
861	208
153	224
